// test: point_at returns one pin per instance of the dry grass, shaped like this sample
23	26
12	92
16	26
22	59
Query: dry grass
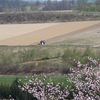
59	11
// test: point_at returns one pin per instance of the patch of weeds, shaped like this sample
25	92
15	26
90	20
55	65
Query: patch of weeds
20	67
59	54
40	64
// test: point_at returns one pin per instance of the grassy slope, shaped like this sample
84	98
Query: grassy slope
52	49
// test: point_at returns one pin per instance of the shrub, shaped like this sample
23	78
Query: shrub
59	54
40	64
20	67
67	54
4	91
6	60
45	54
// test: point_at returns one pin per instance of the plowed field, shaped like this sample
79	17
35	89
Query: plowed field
82	32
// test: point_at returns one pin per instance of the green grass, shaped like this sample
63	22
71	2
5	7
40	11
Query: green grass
56	79
9	79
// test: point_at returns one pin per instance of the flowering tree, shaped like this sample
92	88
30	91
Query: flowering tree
86	81
44	90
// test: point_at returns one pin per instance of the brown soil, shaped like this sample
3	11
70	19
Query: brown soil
12	30
60	29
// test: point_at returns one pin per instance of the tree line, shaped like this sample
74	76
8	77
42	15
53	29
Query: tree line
10	5
35	5
88	6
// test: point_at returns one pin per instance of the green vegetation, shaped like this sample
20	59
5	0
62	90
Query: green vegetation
80	55
7	80
6	90
88	7
39	59
45	59
9	86
13	90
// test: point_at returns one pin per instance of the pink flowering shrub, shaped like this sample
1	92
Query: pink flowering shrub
86	82
44	90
